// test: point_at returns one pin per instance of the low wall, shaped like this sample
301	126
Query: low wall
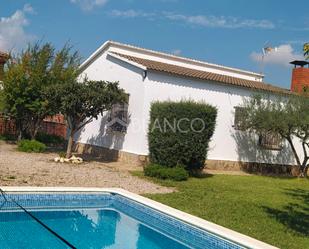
223	165
253	167
106	154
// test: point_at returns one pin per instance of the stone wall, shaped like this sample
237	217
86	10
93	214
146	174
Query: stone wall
220	165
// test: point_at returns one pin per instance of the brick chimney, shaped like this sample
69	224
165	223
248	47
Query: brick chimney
300	76
3	58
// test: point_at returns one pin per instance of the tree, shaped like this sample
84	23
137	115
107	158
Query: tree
287	116
81	102
27	78
306	50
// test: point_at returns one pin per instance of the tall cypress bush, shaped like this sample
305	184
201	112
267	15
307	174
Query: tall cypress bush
179	133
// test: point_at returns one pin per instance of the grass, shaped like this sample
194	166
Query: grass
274	210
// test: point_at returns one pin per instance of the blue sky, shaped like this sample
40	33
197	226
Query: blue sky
227	32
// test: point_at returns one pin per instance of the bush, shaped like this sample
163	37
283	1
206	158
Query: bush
49	139
8	137
177	174
179	133
31	146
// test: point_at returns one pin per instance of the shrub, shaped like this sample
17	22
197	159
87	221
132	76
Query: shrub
177	174
62	154
31	146
49	139
179	133
8	137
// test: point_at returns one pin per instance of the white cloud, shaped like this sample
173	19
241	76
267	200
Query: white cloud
176	52
88	5
130	13
199	20
13	35
220	21
280	56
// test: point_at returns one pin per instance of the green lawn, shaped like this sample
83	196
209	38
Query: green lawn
274	210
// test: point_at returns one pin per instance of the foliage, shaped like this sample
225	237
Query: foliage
161	172
2	100
27	78
306	50
81	102
274	210
287	116
49	139
26	145
7	137
179	133
61	154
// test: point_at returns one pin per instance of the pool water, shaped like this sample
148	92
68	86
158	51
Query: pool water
96	221
84	228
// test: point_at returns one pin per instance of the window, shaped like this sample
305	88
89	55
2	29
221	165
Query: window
270	141
118	118
240	118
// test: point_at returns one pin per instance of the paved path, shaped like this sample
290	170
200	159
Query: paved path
38	169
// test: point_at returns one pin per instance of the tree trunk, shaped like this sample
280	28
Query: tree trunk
70	145
19	130
34	127
303	171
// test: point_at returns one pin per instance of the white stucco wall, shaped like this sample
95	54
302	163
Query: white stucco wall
226	144
130	79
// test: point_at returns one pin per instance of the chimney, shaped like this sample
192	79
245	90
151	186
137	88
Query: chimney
3	58
300	76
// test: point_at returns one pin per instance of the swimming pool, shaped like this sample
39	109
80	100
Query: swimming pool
106	218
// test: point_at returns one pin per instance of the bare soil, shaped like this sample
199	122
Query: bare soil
39	169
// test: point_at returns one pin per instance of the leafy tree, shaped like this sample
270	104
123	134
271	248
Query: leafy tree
26	81
306	50
2	101
287	116
81	102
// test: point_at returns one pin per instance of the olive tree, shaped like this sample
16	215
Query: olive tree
287	116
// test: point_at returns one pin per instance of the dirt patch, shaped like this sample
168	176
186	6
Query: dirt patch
38	169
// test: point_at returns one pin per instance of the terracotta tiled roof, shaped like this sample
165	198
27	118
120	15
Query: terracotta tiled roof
202	75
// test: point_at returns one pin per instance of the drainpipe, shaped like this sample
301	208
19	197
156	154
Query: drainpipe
144	75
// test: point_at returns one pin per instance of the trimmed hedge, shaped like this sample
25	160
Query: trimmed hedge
179	133
26	145
161	172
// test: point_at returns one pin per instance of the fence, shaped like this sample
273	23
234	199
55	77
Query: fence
54	125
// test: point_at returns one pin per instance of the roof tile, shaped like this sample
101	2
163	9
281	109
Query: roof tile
202	75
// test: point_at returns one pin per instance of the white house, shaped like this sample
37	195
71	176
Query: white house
149	76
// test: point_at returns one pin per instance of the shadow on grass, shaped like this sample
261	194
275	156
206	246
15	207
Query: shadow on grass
201	175
294	215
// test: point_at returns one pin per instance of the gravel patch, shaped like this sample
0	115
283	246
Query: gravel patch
38	169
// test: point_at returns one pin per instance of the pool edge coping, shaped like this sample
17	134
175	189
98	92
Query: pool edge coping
228	234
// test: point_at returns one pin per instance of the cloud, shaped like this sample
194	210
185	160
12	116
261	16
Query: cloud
176	52
13	35
88	5
220	21
280	56
197	20
130	13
